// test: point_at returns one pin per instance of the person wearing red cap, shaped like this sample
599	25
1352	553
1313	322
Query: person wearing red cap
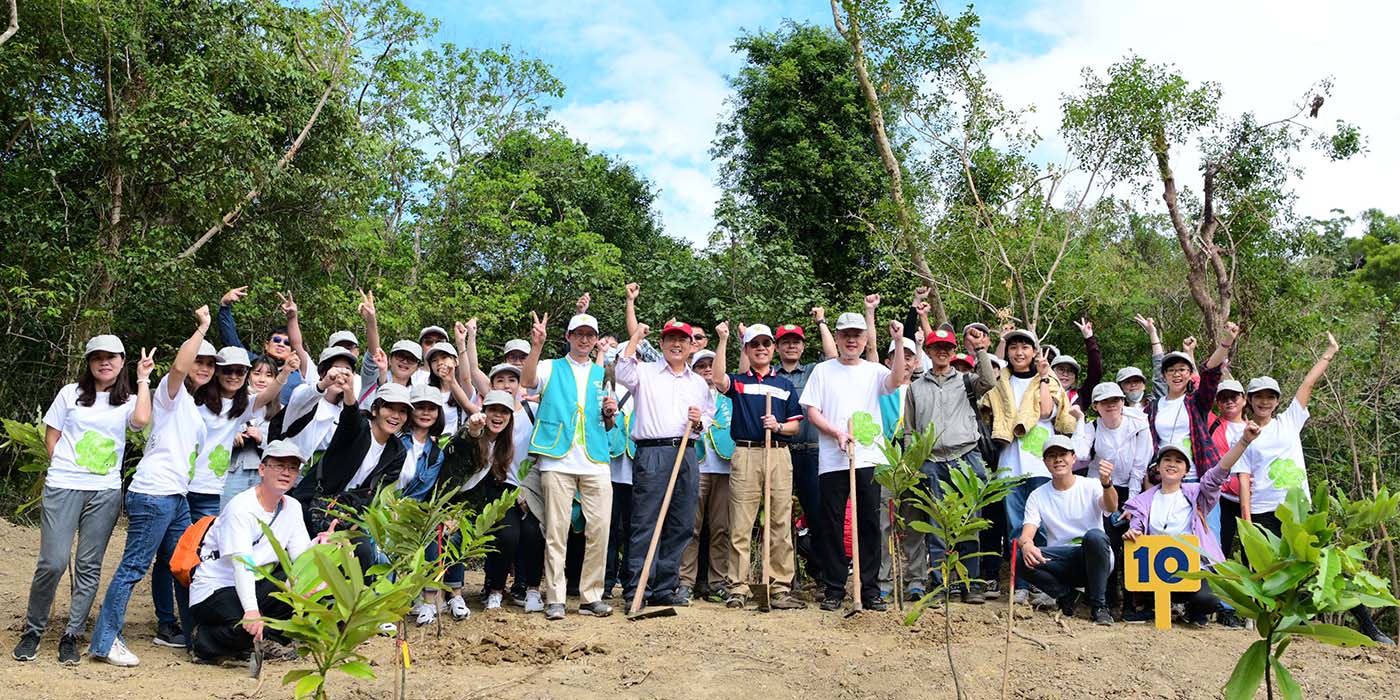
671	401
947	398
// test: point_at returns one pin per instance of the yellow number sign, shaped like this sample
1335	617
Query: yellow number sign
1153	563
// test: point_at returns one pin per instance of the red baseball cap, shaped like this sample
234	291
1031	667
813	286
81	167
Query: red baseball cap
964	358
942	336
789	329
677	327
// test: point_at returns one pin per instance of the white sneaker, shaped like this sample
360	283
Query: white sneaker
533	602
426	612
1021	597
493	601
119	655
388	629
458	607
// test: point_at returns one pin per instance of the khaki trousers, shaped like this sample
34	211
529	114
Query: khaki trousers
745	500
595	495
714	505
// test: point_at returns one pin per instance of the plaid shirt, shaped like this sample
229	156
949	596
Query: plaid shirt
1204	450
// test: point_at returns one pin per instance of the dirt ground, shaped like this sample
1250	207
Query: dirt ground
706	651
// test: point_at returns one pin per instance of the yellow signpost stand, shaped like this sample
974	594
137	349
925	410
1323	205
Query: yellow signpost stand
1153	563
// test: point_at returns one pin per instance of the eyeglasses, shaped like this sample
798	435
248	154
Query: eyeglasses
233	371
1178	369
761	343
281	467
699	337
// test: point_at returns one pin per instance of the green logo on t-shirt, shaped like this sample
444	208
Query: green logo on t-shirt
96	452
193	457
864	428
1033	442
1286	474
1186	444
218	461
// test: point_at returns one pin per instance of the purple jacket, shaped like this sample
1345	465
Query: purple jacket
1203	495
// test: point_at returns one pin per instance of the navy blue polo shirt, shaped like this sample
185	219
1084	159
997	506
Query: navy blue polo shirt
749	393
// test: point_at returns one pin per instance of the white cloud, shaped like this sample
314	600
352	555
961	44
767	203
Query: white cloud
1264	55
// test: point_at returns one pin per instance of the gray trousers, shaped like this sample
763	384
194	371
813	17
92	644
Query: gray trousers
915	549
90	515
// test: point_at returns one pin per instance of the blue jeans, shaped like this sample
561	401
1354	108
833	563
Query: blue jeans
1071	566
155	524
202	504
1016	513
235	482
937	473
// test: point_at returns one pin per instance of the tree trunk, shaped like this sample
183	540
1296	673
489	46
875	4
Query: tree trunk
882	144
14	22
1202	257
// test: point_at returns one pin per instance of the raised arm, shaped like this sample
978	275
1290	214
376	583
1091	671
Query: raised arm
1149	326
872	344
1304	393
141	415
1093	364
721	348
539	331
268	396
1047	399
189	350
633	290
228	330
289	309
824	331
896	377
1222	348
469	371
921	308
371	317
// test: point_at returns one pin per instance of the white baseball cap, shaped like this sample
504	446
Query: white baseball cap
908	344
104	343
702	355
1065	360
331	353
1230	385
1021	334
339	337
503	367
419	393
500	398
231	355
1129	373
393	393
1177	355
516	345
282	448
206	349
441	346
757	330
431	329
850	320
1108	390
409	347
1265	383
583	321
1061	441
1165	448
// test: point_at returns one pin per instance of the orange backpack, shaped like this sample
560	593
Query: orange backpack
186	556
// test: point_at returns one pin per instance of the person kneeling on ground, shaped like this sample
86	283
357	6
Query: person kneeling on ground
1176	508
1067	508
227	601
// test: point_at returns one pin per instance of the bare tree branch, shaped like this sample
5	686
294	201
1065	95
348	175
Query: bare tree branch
14	22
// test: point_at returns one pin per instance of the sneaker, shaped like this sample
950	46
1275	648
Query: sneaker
718	595
28	647
68	651
458	607
683	596
877	605
1229	619
1066	604
675	600
831	603
786	601
1021	597
554	611
118	655
169	634
533	602
1040	599
595	609
992	590
1139	617
886	596
1198	620
1102	617
519	601
736	600
426	614
388	629
273	650
914	594
493	601
974	595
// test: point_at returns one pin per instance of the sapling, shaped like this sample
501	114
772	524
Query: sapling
1313	568
901	472
955	517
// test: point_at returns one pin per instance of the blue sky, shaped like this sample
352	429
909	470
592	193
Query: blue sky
647	80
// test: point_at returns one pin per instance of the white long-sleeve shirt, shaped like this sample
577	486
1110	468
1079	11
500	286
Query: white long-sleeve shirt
1128	447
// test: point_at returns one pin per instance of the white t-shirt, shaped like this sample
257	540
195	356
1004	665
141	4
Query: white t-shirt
235	533
410	461
1171	514
177	432
1024	454
367	465
316	435
1065	515
713	463
207	473
575	461
1275	460
842	392
92	440
520	435
1174	423
1128	447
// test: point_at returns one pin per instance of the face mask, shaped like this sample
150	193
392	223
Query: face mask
1134	397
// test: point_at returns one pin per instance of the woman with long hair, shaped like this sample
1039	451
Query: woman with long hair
85	433
225	406
248	441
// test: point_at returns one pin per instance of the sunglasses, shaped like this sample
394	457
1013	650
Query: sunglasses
233	371
280	340
699	337
761	343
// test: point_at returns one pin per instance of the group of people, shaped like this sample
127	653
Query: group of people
601	439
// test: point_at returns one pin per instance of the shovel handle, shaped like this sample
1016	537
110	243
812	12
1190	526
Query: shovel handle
660	520
855	532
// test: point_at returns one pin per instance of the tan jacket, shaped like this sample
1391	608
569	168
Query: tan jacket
1010	422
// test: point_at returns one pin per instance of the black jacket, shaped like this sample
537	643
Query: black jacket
331	476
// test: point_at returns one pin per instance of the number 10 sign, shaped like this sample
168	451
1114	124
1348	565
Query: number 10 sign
1153	563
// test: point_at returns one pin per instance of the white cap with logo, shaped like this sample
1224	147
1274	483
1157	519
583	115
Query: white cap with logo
757	330
583	321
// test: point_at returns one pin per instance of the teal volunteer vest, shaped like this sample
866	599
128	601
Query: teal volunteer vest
564	419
